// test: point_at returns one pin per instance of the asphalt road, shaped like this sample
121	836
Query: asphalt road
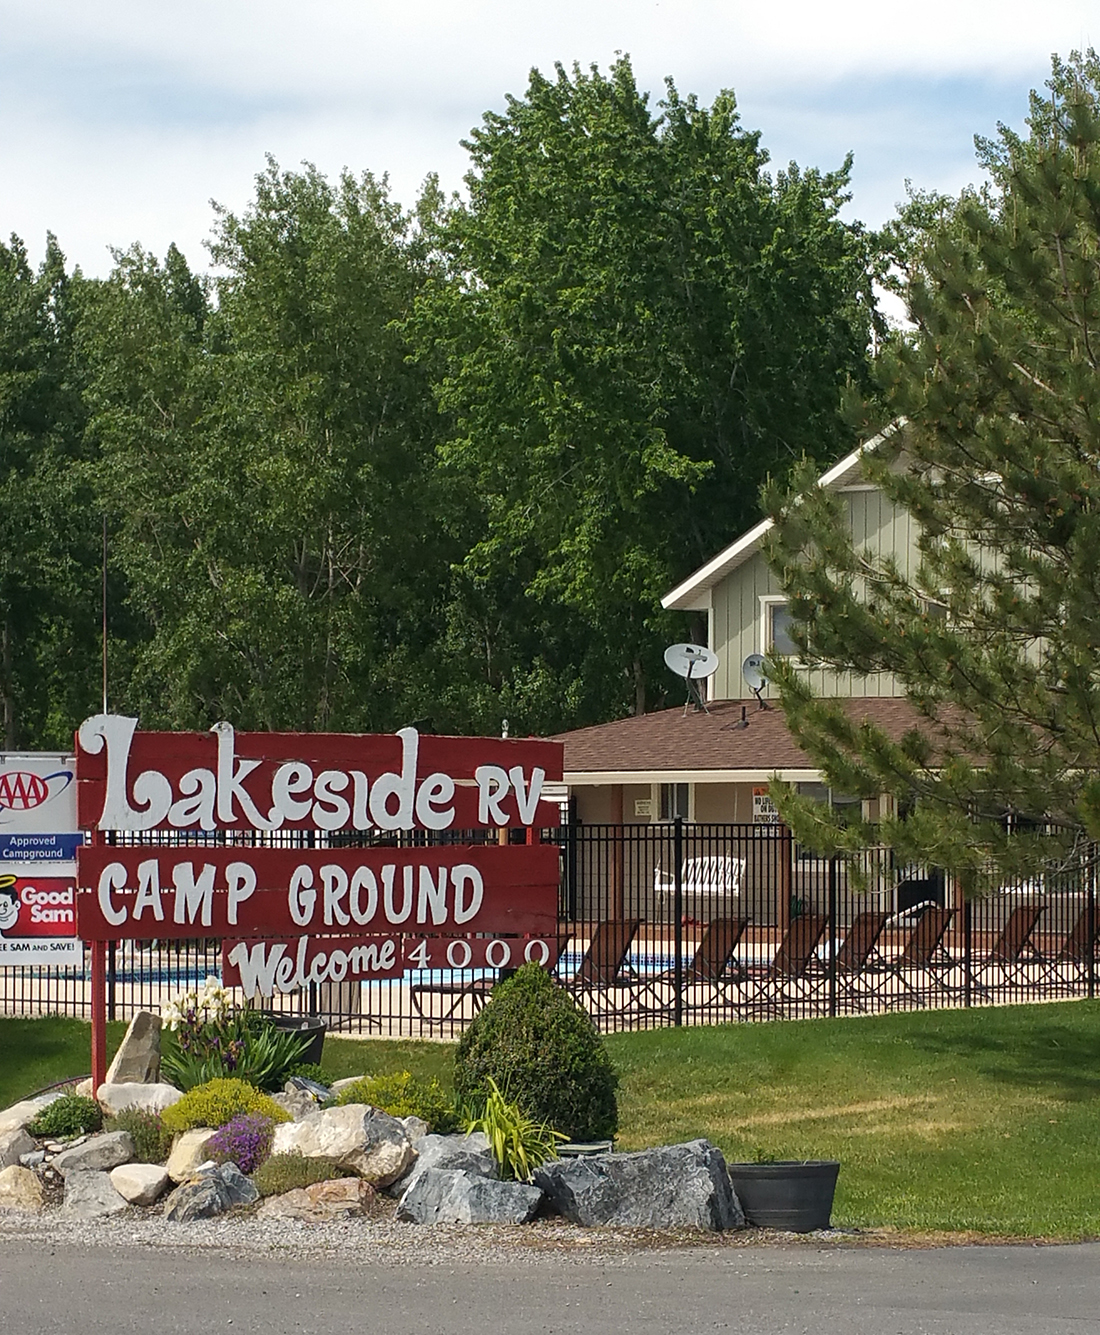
47	1288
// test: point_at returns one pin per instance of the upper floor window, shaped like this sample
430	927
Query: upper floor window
778	621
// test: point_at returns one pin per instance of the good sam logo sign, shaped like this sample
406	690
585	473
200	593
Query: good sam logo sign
37	920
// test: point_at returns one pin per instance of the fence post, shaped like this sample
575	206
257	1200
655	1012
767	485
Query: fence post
678	918
1091	966
968	949
832	934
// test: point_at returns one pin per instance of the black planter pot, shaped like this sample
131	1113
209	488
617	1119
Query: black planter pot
311	1025
793	1195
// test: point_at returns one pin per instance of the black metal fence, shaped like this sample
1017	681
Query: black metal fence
679	923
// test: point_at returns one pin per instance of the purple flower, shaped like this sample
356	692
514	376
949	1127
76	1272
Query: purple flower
245	1141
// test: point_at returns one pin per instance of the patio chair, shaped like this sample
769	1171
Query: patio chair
603	969
462	999
712	967
858	958
924	952
790	976
1014	949
1069	954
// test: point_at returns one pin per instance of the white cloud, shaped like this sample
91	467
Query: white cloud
119	120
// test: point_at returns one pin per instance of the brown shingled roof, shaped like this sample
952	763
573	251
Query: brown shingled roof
674	741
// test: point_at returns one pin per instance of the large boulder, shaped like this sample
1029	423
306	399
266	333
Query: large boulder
470	1153
19	1114
20	1191
454	1196
676	1186
138	1059
89	1194
297	1102
97	1153
212	1191
320	1202
139	1183
188	1152
112	1098
14	1144
367	1142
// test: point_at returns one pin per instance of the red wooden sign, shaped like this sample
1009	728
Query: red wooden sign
292	963
130	780
142	893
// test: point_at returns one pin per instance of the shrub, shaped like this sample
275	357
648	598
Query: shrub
519	1144
218	1102
70	1115
284	1172
402	1095
244	1140
544	1052
152	1139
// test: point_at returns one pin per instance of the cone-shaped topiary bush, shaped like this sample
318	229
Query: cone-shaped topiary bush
545	1054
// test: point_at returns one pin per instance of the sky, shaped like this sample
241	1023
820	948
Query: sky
121	120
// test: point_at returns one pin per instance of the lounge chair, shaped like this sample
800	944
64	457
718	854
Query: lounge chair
924	951
712	967
789	978
602	970
1014	949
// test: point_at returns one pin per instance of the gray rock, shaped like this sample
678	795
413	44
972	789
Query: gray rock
369	1143
14	1147
470	1153
138	1059
33	1159
139	1183
675	1186
296	1102
240	1190
338	1085
415	1128
454	1196
97	1153
89	1194
212	1191
19	1114
112	1098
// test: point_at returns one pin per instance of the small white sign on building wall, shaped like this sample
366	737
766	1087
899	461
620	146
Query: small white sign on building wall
763	808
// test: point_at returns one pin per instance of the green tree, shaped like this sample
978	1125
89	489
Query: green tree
994	634
268	464
49	526
631	325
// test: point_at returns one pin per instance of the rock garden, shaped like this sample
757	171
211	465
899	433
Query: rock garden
210	1110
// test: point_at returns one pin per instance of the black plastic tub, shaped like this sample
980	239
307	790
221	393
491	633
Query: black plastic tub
312	1025
793	1195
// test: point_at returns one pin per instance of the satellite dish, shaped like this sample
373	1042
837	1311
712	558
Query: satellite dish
756	678
693	661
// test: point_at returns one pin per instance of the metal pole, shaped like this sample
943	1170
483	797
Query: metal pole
112	976
678	917
1091	965
104	614
832	934
99	1013
968	949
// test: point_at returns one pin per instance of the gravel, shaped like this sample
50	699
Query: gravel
380	1241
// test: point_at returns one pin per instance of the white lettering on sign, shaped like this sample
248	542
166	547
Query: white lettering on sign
333	799
267	967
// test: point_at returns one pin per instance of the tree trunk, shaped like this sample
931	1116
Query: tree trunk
639	687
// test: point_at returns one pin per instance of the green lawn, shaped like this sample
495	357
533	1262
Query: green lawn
985	1120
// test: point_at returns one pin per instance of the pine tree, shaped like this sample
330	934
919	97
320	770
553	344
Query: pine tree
995	634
